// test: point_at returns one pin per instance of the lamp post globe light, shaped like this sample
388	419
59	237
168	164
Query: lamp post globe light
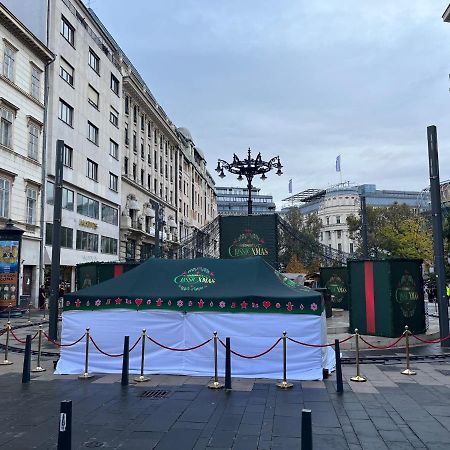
249	168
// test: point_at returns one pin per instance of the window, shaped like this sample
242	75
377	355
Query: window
5	187
65	112
113	182
68	31
8	62
142	176
93	133
340	247
66	236
328	221
67	196
135	114
31	206
109	245
114	84
114	117
134	142
114	149
127	139
149	181
328	235
35	82
142	149
110	214
87	206
149	130
125	165
6	123
94	61
155	136
142	122
92	170
134	171
338	219
87	241
339	234
93	97
149	156
67	156
127	105
33	141
66	71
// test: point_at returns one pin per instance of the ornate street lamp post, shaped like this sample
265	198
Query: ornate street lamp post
248	168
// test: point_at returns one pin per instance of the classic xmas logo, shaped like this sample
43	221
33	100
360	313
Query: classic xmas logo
407	295
337	287
247	244
195	279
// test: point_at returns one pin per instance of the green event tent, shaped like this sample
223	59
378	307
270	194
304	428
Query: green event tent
247	285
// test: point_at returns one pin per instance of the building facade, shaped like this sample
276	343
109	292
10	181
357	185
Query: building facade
24	60
335	204
161	165
234	201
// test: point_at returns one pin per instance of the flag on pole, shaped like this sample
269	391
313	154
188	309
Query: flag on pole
338	163
290	186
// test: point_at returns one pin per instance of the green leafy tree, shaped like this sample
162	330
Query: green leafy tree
301	240
394	231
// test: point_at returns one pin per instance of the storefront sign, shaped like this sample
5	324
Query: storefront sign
88	224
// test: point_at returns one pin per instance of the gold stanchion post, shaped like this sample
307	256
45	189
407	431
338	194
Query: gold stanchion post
358	377
29	313
215	384
141	378
38	367
284	384
5	362
408	370
9	312
86	373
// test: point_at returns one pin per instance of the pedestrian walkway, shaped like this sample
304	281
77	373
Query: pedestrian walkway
389	411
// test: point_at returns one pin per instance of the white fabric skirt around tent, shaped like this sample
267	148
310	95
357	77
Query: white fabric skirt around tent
250	334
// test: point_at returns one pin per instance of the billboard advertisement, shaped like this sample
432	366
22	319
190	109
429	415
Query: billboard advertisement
9	271
246	236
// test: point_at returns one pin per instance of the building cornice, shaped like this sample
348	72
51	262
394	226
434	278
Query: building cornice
18	29
23	92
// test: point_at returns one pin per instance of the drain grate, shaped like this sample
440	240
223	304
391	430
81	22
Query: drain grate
155	393
93	444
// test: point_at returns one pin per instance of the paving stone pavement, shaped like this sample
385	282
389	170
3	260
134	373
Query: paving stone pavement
389	411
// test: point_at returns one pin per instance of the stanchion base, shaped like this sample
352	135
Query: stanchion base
6	363
358	379
85	376
141	379
408	372
215	385
38	369
284	385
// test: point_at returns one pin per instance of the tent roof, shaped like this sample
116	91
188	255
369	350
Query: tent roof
225	279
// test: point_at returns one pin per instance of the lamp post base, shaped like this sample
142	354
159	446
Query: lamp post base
284	385
358	379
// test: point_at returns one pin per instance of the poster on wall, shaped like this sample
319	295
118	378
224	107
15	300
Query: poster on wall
9	272
246	236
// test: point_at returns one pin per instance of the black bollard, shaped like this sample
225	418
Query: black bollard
306	430
65	426
337	351
227	364
126	360
27	360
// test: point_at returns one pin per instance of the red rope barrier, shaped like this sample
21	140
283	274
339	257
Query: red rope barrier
433	341
253	356
306	344
112	355
20	340
178	349
383	347
58	344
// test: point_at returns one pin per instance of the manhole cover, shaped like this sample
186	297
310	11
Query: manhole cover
93	444
156	393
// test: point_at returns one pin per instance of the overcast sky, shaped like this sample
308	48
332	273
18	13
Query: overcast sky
305	80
